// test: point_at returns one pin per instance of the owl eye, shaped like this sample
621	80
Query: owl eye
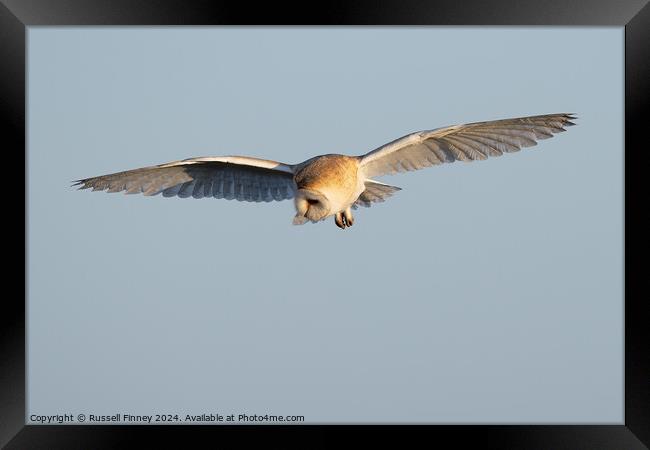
311	201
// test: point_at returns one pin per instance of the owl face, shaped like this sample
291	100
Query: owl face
312	205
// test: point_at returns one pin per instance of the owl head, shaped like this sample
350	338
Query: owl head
310	205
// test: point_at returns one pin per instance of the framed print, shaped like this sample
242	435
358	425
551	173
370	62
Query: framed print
479	301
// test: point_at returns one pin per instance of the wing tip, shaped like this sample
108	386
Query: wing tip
81	183
568	117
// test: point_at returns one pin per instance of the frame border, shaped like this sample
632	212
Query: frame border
17	15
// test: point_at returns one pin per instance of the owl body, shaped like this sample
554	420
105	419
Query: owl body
327	185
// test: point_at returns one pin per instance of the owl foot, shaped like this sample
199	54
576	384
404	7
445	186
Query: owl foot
344	220
349	218
338	220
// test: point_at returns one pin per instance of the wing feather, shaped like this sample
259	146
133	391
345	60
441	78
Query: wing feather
230	177
375	192
467	142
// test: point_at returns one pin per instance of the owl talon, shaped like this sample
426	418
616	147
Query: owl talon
340	221
349	218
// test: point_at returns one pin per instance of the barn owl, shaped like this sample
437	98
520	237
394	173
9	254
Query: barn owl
332	184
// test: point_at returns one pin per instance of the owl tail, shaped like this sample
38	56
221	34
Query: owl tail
375	192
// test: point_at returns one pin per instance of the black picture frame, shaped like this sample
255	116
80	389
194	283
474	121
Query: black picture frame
634	15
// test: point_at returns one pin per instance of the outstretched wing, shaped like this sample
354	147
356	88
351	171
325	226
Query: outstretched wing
230	177
466	142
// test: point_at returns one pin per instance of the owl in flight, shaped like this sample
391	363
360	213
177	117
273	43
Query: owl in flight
331	185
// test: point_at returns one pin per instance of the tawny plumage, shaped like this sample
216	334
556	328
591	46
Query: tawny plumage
331	185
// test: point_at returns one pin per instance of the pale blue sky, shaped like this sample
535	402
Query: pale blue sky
485	292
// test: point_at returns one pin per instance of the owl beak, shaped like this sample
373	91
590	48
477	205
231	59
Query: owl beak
299	220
